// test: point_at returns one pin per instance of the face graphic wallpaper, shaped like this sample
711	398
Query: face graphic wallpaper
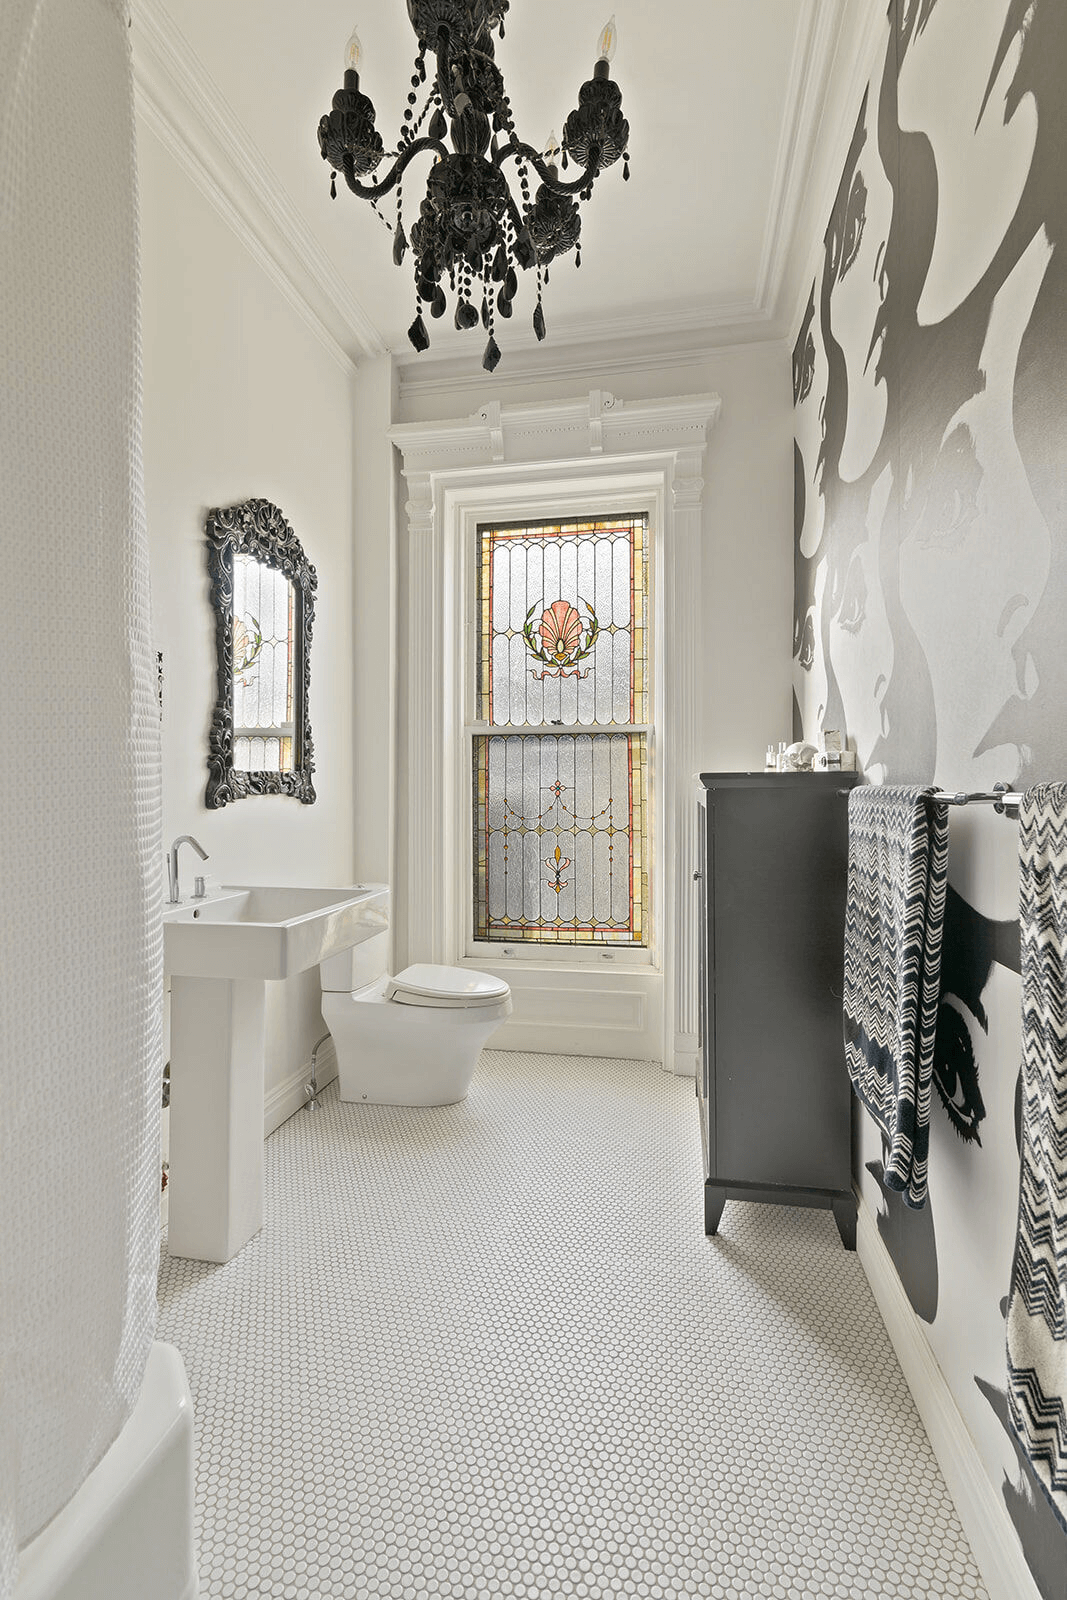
930	612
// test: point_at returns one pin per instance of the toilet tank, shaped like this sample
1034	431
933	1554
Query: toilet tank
356	967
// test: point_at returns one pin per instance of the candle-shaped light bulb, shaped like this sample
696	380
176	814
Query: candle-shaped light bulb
353	53
609	38
551	150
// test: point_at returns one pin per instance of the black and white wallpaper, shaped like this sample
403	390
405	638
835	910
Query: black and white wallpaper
930	616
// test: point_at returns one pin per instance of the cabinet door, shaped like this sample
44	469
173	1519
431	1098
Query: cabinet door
706	982
780	1101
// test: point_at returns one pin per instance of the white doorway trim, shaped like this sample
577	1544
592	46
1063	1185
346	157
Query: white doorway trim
596	446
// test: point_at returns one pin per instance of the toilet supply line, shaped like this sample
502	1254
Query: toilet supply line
311	1088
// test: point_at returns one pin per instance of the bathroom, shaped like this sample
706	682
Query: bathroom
260	379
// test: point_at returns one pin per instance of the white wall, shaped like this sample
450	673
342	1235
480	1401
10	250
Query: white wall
748	584
242	398
374	634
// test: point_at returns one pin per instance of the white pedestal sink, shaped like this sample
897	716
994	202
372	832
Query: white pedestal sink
219	953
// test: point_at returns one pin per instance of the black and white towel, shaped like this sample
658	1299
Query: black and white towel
897	860
1037	1307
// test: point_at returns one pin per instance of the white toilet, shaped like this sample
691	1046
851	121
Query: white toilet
412	1040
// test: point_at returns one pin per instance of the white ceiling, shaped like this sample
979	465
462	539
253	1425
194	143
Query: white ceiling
722	99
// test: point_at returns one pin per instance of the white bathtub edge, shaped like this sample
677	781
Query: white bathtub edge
131	1522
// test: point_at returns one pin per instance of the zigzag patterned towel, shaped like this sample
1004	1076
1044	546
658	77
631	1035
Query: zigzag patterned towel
897	861
1037	1309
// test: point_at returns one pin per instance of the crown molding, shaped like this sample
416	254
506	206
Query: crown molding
862	31
446	376
817	35
181	105
708	323
695	321
552	365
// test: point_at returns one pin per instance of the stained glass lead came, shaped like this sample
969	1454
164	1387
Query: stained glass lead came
562	609
562	615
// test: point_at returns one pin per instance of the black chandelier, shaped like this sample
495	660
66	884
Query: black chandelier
471	231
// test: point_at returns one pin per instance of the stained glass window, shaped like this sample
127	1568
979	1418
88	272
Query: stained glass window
560	797
263	618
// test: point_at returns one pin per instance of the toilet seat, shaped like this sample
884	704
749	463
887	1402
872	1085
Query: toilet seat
422	1052
425	984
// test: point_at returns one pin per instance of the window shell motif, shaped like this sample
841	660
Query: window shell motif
560	817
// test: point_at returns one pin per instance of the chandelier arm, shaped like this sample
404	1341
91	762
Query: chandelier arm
515	148
517	219
374	191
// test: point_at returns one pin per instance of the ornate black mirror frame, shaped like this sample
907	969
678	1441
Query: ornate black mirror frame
258	529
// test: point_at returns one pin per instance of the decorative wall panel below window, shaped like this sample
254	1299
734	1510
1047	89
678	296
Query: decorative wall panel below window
560	759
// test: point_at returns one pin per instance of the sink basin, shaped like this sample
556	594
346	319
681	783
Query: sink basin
220	952
265	932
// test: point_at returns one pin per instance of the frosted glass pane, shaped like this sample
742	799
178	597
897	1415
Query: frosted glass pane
263	622
562	611
559	846
261	755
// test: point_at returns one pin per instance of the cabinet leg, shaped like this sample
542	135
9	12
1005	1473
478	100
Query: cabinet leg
845	1217
714	1201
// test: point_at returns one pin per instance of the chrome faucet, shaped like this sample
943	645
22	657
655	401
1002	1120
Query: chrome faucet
172	863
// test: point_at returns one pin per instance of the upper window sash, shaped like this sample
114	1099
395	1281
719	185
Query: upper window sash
562	624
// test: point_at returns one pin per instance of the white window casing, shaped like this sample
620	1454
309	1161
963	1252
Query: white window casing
599	456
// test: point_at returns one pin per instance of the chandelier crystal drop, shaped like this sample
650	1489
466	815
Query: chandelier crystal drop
472	232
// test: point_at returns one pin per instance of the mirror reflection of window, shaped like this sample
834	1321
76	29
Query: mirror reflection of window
264	608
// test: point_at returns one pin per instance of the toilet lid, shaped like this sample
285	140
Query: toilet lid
427	985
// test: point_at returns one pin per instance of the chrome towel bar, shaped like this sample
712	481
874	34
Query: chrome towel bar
1005	801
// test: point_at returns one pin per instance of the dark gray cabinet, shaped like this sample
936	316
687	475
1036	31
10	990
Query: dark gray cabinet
775	1098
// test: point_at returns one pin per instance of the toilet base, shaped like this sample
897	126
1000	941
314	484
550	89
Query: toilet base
402	1055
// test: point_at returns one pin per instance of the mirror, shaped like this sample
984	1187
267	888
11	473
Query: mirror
263	593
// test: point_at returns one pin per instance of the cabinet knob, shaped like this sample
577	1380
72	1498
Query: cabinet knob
697	876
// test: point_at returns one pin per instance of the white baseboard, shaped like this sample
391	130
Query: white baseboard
979	1504
288	1096
686	1063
